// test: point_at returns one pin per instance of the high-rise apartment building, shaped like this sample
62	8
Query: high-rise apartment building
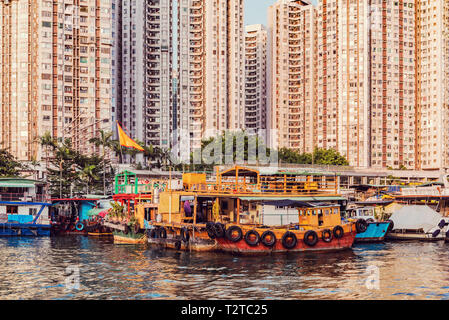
256	78
342	90
143	56
210	68
392	83
55	72
318	77
290	80
432	75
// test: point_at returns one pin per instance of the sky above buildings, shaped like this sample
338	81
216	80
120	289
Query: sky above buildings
256	11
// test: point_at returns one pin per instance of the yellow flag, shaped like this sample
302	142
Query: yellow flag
126	141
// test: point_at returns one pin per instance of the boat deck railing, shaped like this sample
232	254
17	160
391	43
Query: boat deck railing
296	188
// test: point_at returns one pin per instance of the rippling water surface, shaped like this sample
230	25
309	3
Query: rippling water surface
36	269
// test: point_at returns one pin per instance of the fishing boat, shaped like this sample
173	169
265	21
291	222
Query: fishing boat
418	222
24	208
319	228
372	231
221	214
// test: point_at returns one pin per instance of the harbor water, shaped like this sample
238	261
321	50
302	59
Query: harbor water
47	268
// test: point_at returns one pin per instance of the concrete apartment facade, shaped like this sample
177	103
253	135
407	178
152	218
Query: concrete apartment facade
379	80
55	73
290	77
210	68
393	84
432	72
318	70
256	78
143	59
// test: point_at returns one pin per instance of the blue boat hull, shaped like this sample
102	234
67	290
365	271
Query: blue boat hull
24	230
375	232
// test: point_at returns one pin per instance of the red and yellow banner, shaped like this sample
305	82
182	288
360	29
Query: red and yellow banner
126	141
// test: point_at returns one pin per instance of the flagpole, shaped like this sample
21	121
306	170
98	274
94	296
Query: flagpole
121	151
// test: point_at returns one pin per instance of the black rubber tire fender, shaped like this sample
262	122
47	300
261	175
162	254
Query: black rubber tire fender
327	236
230	234
361	226
162	233
220	230
436	233
185	235
289	244
311	238
252	242
210	229
153	233
338	232
264	240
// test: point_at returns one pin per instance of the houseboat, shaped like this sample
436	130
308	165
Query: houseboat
238	205
24	208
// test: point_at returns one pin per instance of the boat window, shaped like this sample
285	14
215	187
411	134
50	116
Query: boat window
326	212
335	211
12	209
315	212
308	212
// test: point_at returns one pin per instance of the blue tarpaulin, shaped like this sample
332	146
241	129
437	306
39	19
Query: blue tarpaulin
20	218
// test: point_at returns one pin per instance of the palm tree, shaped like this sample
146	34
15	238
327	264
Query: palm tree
47	141
88	175
105	141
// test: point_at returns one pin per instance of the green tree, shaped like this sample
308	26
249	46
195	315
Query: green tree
62	169
9	166
49	144
329	157
105	141
88	176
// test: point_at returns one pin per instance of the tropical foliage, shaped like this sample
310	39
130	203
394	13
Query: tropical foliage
319	157
9	166
71	173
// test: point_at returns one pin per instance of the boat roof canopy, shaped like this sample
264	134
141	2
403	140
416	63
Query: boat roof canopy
19	183
240	171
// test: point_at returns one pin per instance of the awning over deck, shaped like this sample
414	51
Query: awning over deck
241	171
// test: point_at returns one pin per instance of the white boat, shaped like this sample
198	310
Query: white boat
418	223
